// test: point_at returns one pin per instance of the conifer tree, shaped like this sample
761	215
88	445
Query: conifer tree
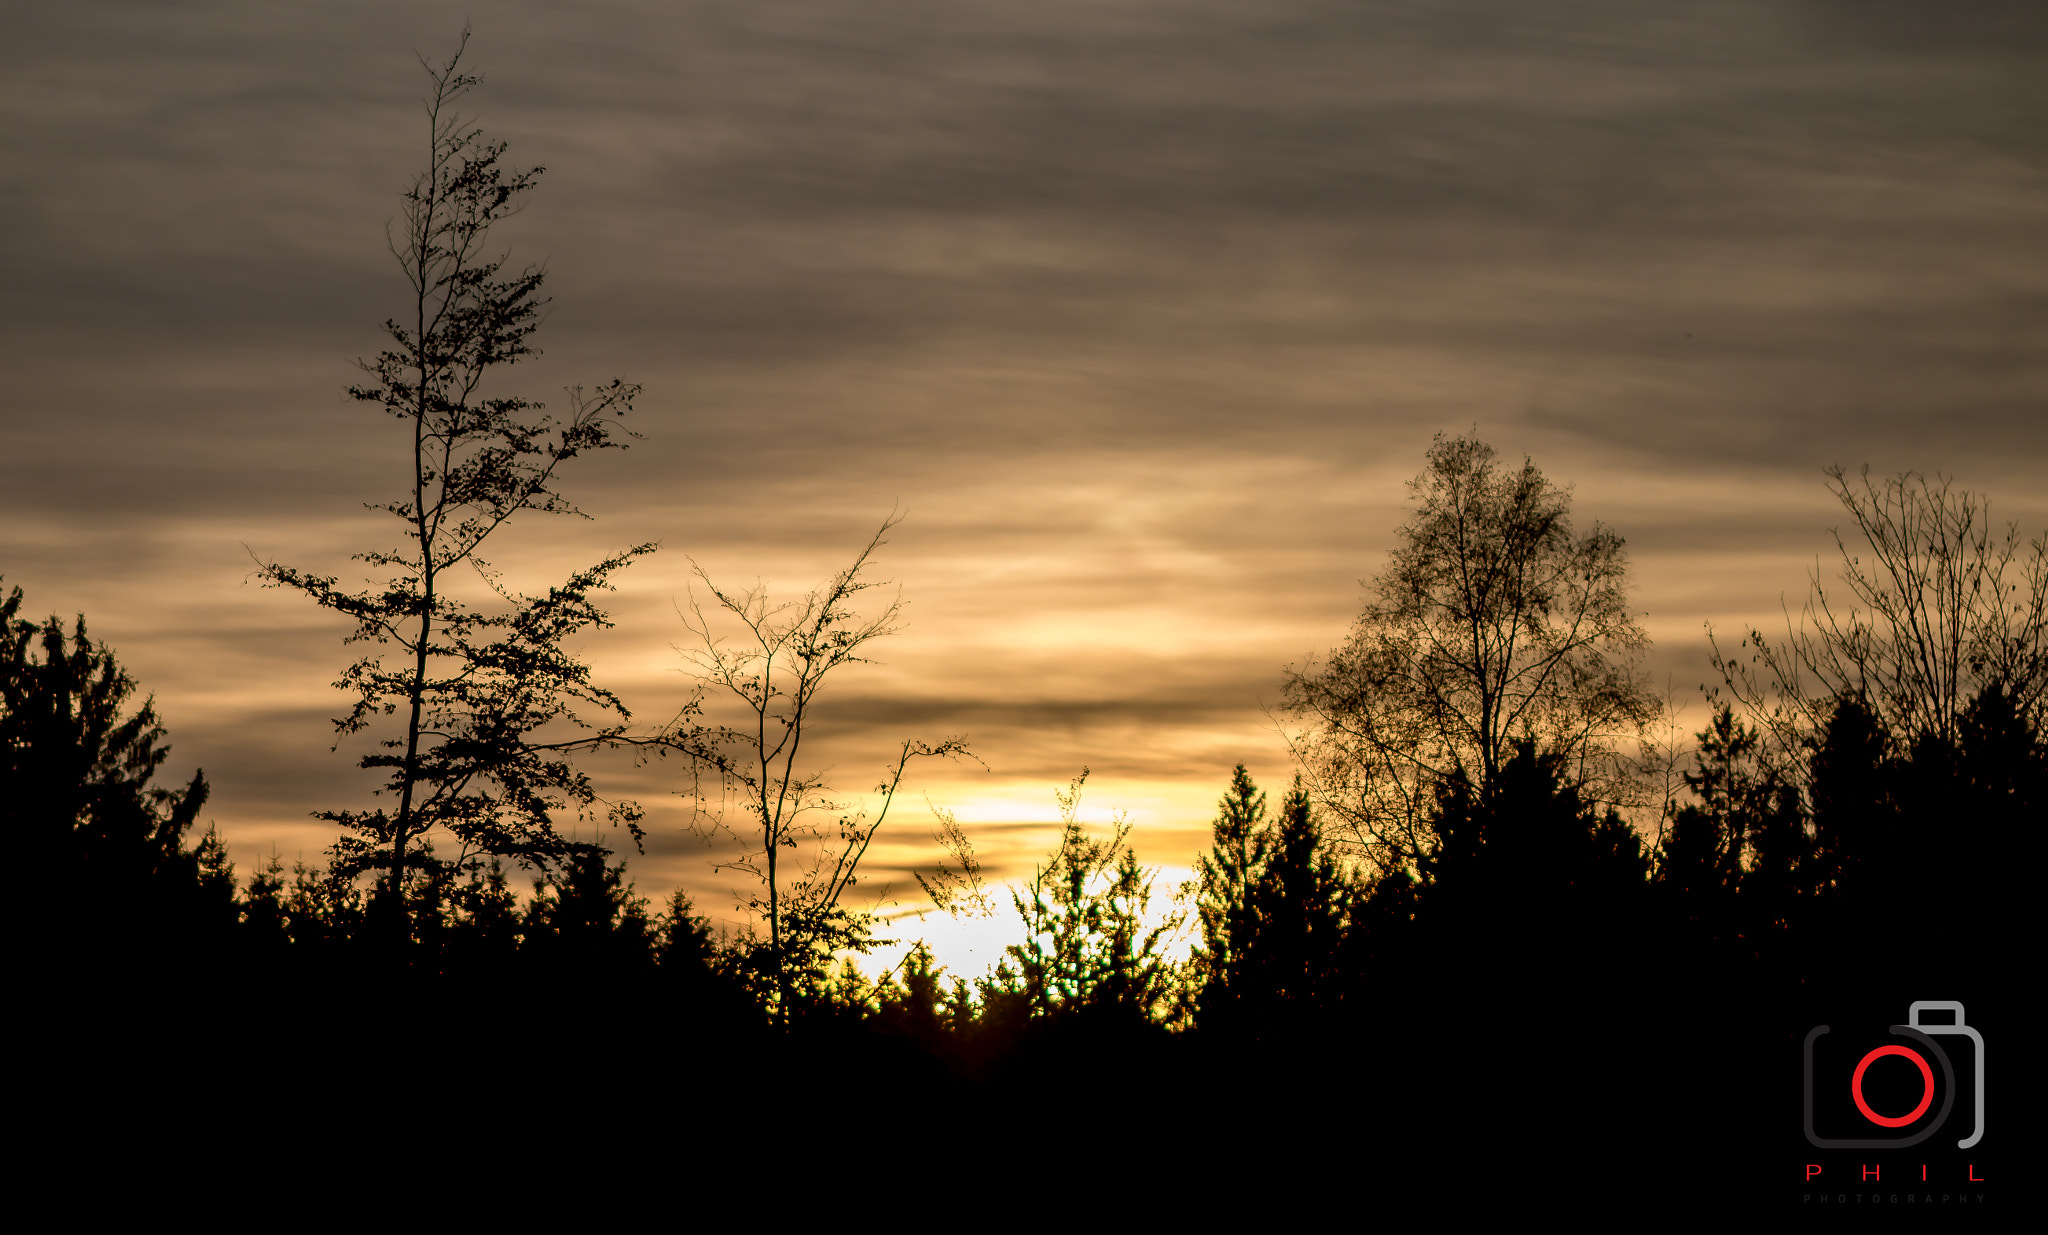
1275	906
1301	901
1087	945
77	793
1223	898
1530	875
1732	863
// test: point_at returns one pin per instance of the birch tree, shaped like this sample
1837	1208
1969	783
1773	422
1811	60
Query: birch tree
1494	622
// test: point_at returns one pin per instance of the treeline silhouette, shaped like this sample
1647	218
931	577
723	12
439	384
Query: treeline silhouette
1547	987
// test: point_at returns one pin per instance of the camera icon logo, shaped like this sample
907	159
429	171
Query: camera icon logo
1918	1048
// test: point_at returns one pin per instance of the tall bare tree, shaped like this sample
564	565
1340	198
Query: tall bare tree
1494	622
770	676
471	688
1933	603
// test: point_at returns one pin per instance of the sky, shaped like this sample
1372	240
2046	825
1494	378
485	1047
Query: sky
1139	314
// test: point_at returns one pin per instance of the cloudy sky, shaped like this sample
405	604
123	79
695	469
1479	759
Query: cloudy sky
1141	312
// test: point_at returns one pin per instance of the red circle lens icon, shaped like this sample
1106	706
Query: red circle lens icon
1926	1091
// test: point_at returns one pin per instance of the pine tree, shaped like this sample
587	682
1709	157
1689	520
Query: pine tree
1532	879
77	796
1736	863
1087	946
1223	901
1275	906
1301	901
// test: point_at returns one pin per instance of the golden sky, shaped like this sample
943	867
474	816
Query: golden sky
1142	313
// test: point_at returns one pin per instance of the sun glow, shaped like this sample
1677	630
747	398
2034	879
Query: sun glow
970	945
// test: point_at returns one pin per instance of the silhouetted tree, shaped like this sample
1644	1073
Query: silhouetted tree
266	924
1998	796
773	677
955	892
587	928
326	911
1302	902
1530	876
1882	705
913	1000
1086	945
1951	830
1540	901
472	689
683	937
1275	904
1740	861
481	941
695	975
1941	606
1495	623
1223	899
99	847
